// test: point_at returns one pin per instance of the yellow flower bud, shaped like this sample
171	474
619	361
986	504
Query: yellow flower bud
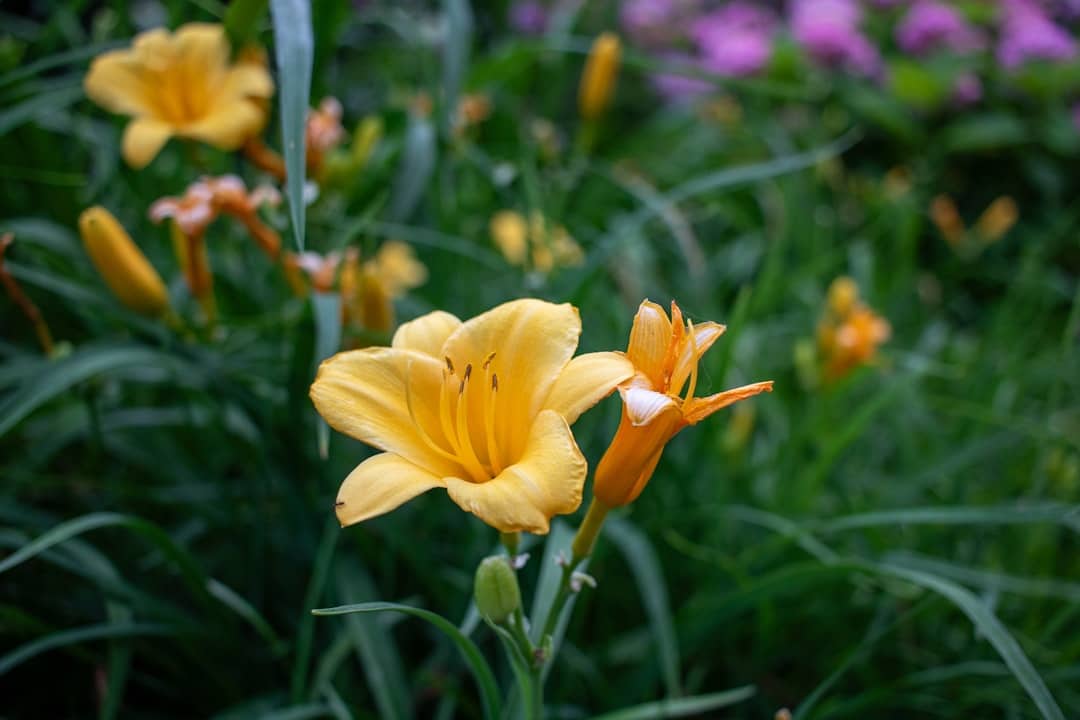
997	219
510	233
121	264
843	295
496	589
598	78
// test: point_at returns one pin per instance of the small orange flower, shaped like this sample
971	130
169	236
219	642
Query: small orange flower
850	332
209	197
665	355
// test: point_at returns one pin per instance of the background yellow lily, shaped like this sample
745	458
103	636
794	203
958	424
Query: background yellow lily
481	408
180	84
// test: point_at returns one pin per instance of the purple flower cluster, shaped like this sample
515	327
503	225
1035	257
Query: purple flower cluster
828	30
931	25
1028	33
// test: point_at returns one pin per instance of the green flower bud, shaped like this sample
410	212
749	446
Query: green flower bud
496	589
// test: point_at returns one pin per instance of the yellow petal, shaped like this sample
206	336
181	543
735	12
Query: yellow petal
644	406
649	340
586	380
203	50
547	481
248	80
426	334
533	341
698	409
143	140
115	83
379	485
386	398
228	125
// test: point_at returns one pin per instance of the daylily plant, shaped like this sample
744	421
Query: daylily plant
482	408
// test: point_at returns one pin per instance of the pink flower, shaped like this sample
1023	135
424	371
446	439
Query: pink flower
931	25
1027	34
736	39
829	32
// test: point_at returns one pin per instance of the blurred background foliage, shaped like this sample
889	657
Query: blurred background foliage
166	515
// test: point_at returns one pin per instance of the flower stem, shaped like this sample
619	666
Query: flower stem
581	548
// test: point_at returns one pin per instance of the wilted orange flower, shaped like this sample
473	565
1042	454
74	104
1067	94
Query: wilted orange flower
205	199
180	84
480	408
665	354
850	332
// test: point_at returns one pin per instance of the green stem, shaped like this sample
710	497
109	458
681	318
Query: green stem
534	702
581	548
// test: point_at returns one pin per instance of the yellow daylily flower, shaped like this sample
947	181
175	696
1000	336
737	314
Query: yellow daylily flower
665	354
180	84
482	408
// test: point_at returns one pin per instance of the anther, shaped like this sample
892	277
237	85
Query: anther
468	371
339	503
494	382
449	365
488	359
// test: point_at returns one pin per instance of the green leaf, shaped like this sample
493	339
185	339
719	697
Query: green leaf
20	113
415	169
1019	514
55	379
78	635
990	628
485	679
455	56
242	20
374	646
641	557
681	707
294	49
989	131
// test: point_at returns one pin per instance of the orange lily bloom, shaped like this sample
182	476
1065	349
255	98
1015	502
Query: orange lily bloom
665	354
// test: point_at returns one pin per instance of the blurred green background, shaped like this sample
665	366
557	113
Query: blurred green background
886	544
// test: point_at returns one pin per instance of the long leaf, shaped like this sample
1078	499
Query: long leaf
485	679
641	557
683	706
989	627
57	378
78	635
295	50
455	56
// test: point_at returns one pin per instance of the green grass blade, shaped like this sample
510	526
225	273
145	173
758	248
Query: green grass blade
645	565
485	679
1020	514
415	168
20	113
72	528
455	57
989	627
54	379
294	49
683	706
75	636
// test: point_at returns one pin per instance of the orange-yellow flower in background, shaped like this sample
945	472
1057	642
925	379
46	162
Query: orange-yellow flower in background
665	354
121	264
850	332
180	84
946	217
481	408
542	246
997	219
369	290
599	76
